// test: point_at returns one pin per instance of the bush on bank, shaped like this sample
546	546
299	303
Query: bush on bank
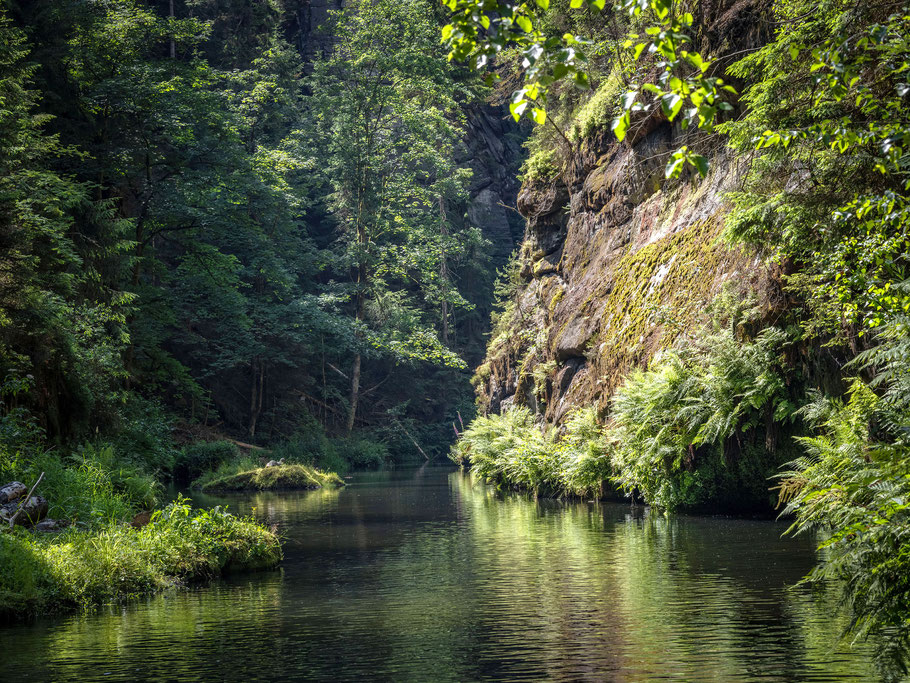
80	569
690	431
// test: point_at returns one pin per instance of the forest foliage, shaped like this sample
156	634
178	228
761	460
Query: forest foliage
211	227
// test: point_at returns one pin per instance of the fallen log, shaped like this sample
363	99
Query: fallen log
12	491
26	514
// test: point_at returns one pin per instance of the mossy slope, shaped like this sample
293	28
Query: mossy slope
282	477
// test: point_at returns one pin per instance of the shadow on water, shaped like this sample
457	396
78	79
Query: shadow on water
427	575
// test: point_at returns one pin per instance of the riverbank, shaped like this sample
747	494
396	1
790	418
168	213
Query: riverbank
81	568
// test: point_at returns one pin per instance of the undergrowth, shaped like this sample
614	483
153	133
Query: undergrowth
248	476
79	569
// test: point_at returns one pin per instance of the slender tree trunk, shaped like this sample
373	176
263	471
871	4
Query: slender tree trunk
355	392
444	272
360	279
256	385
173	44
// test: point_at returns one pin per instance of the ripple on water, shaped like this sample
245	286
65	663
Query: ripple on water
425	575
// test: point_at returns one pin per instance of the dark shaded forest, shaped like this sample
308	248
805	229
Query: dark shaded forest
227	218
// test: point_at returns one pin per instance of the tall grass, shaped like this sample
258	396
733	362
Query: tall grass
80	569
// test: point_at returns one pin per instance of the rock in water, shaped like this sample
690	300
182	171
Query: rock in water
12	491
271	463
32	512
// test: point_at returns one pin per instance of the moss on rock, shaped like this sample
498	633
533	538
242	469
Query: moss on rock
282	477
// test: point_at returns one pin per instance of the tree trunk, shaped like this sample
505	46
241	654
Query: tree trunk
355	392
173	44
257	381
444	272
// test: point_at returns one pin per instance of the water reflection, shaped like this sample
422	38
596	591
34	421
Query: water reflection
427	575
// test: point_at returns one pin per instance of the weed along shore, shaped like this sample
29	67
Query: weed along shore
79	568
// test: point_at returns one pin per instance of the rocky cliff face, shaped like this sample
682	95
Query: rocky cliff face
494	154
616	264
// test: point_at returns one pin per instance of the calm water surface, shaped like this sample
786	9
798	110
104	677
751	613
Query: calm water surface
426	575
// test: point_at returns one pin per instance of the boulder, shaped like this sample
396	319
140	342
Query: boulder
47	525
33	511
12	491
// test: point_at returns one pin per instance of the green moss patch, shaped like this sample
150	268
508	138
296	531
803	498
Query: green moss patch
282	477
659	292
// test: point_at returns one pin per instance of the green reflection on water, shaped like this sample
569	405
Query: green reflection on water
431	576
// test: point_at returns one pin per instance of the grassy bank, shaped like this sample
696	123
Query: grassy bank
82	568
246	476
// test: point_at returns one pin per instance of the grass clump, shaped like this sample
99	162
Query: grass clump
80	569
242	476
542	166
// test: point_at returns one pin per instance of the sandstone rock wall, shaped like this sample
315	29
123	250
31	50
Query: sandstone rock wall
617	262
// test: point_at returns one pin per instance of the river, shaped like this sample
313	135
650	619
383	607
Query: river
427	575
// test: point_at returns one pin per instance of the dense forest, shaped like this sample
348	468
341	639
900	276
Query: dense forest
229	232
650	251
214	217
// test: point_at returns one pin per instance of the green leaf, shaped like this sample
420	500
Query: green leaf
620	126
539	115
524	23
518	108
700	163
543	4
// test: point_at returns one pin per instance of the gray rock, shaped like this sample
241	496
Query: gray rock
47	525
272	463
12	491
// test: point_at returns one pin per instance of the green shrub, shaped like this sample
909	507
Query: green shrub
81	569
91	486
361	452
853	485
197	458
511	450
671	423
